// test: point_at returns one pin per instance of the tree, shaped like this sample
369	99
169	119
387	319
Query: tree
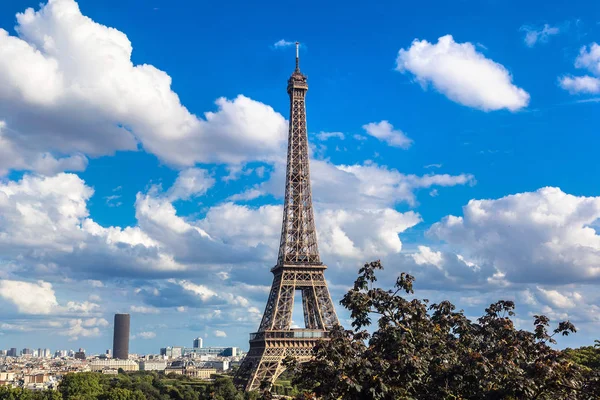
81	386
118	394
587	356
47	395
9	393
223	389
421	351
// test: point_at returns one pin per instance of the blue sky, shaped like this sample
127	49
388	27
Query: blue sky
142	155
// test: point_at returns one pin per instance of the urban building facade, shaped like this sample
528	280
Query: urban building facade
125	365
153	365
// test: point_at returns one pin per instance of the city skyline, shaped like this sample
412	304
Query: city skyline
142	161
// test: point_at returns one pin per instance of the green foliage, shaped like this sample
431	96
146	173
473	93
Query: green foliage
420	351
132	386
8	393
81	386
587	356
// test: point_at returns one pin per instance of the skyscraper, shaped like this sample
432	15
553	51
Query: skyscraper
121	337
198	343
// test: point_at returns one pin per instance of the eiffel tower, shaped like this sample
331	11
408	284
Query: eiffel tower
299	266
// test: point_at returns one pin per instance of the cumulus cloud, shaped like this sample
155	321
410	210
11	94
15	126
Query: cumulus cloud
201	291
534	237
283	43
371	185
347	233
533	35
328	135
588	58
190	183
68	88
559	300
426	255
580	84
219	333
462	74
85	307
385	132
84	328
28	297
362	234
144	335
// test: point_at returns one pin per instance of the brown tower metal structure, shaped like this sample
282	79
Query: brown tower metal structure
299	266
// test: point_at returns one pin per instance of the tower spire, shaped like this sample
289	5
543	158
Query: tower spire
297	56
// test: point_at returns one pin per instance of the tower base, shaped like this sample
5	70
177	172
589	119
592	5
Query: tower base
268	349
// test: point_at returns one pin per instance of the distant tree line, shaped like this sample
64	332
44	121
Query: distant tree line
132	386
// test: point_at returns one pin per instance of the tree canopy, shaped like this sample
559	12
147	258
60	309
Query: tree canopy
426	351
132	386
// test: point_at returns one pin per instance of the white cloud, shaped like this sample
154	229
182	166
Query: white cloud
559	300
190	183
82	308
372	185
385	132
68	88
250	194
462	74
345	233
580	84
532	35
328	135
361	234
28	297
539	237
427	256
282	43
589	58
144	310
84	328
112	200
201	291
144	335
243	224
219	333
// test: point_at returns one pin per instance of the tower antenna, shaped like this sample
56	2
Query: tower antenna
297	56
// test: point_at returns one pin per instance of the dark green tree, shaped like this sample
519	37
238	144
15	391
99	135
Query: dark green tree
420	351
223	389
9	393
81	386
587	356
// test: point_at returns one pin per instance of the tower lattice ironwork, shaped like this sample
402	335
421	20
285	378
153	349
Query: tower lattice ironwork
298	268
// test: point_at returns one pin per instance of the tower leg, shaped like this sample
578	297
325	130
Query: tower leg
264	361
